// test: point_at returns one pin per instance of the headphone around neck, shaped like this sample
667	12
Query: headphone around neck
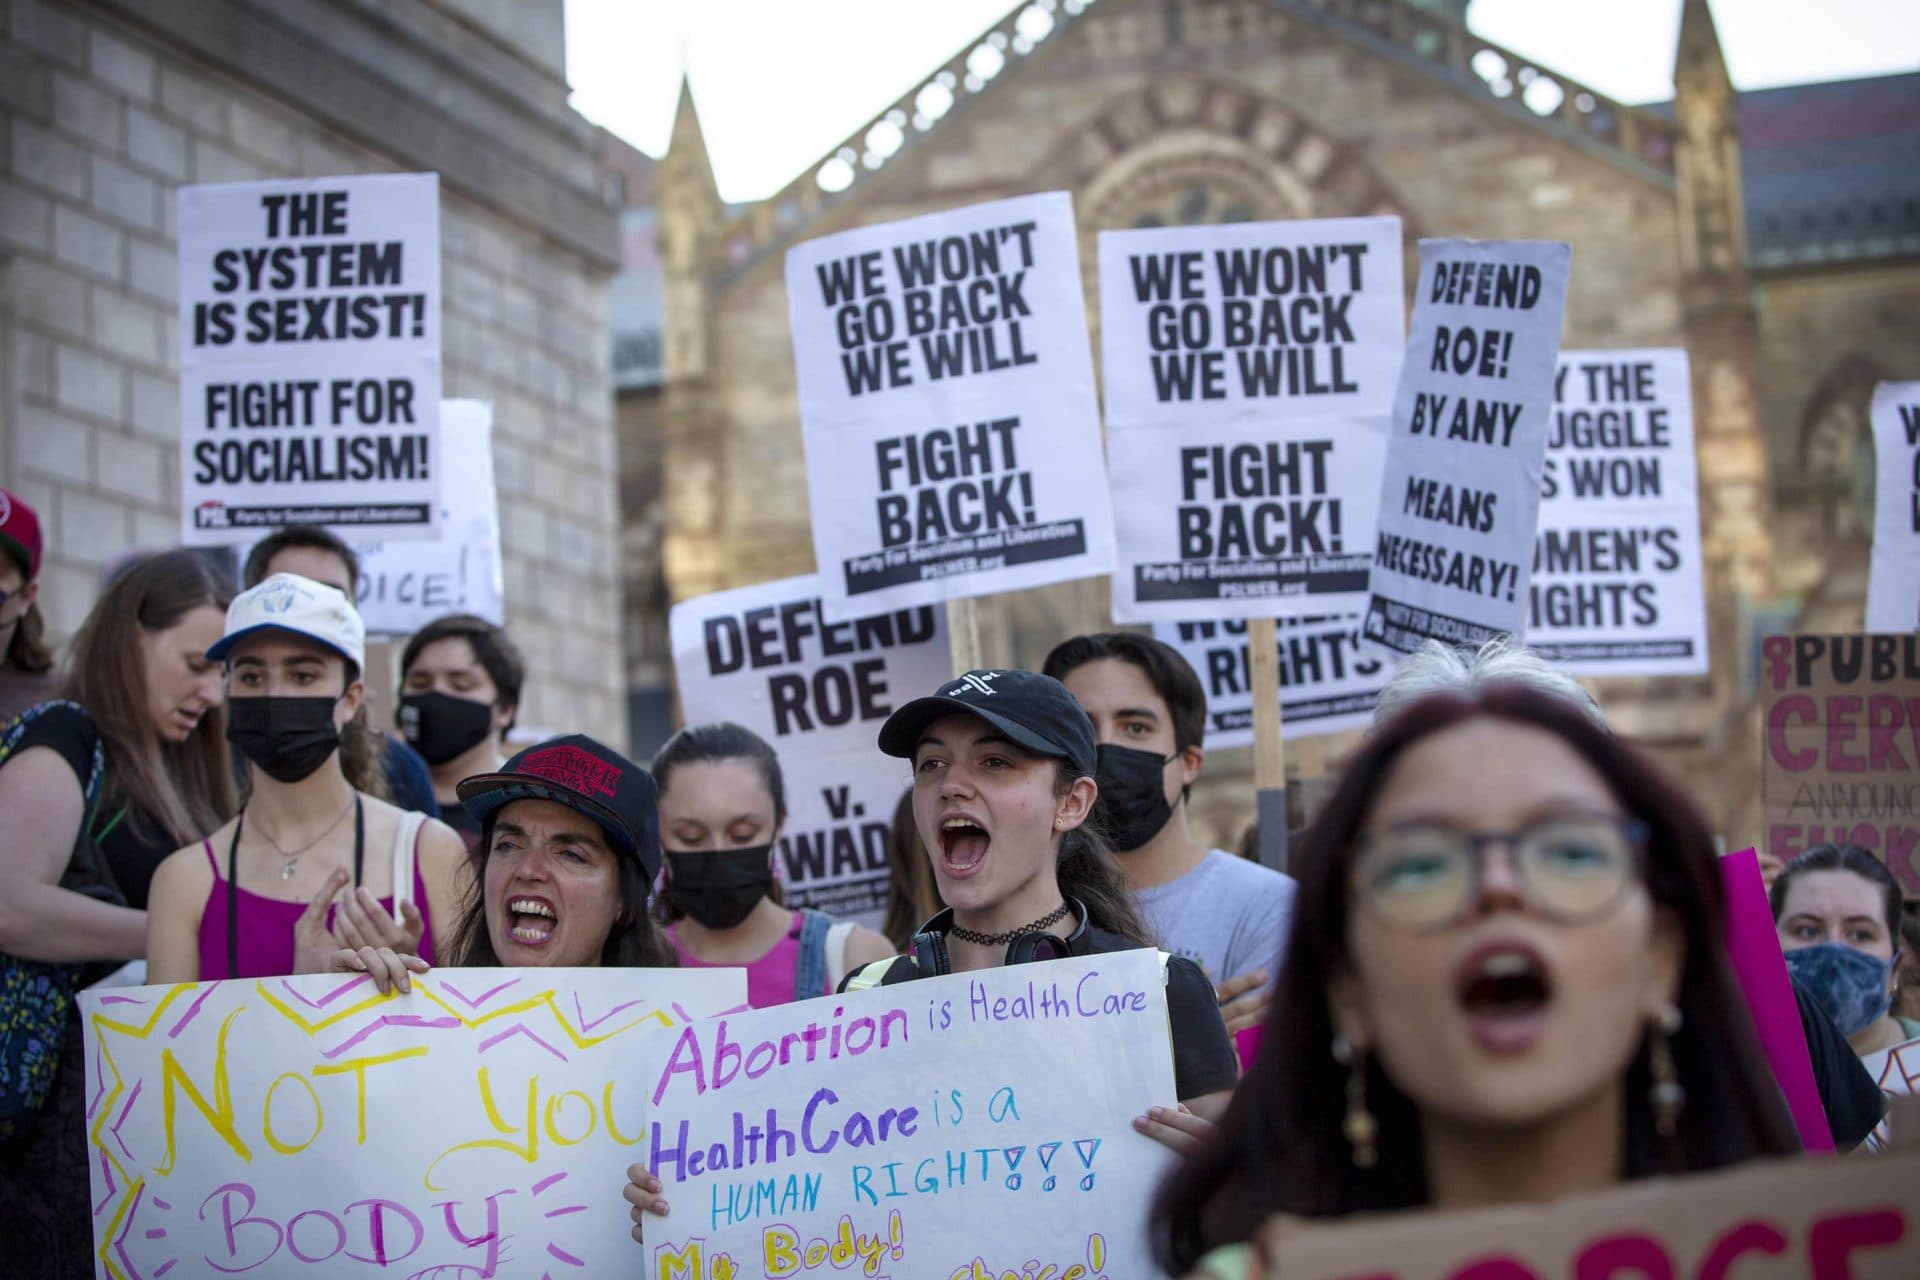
929	946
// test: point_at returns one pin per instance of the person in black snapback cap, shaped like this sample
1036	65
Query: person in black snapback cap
570	844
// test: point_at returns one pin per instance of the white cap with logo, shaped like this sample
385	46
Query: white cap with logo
289	602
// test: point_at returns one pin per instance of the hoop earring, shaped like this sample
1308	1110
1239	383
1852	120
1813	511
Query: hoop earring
1360	1128
1667	1095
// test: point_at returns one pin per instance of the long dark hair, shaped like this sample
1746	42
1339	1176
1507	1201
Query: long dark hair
1843	857
713	744
185	790
1280	1148
1086	871
912	895
634	941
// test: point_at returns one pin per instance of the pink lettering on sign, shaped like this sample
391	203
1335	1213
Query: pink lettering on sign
1748	1237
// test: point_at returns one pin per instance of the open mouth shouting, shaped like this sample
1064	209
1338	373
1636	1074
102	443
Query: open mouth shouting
531	920
1506	991
964	843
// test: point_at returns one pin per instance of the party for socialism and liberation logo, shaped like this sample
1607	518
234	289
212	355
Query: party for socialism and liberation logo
573	768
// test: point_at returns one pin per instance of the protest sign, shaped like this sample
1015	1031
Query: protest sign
310	357
1893	588
764	657
1249	373
1616	584
1841	760
907	1133
1461	495
1328	678
405	585
1806	1216
948	408
310	1126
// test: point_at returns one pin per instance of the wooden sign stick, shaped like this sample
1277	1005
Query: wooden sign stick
1269	749
963	635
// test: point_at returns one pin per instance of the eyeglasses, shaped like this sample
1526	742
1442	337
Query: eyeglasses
1569	867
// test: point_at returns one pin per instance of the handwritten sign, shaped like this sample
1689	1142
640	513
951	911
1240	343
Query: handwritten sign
764	657
947	402
914	1130
1329	680
1893	587
1249	380
310	357
310	1126
1841	761
1857	1218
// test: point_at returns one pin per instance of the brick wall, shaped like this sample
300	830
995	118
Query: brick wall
103	121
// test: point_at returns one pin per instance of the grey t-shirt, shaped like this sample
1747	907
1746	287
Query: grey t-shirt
1228	915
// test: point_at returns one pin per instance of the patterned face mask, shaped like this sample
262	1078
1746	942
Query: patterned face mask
1849	986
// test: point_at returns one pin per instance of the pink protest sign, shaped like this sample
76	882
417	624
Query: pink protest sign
1755	951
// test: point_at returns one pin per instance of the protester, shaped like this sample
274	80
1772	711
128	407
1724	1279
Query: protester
313	859
911	896
723	803
555	891
26	663
1149	712
1457	1026
1838	911
460	682
315	553
143	708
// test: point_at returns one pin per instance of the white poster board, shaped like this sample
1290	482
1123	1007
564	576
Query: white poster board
480	1125
1893	588
1329	678
915	1130
1617	576
948	408
764	657
310	357
1249	372
1461	495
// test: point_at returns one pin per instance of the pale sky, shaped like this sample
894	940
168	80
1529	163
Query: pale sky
781	82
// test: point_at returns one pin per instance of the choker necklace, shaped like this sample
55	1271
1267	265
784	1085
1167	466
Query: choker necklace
1052	917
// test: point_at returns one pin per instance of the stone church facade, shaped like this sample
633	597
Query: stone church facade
1152	112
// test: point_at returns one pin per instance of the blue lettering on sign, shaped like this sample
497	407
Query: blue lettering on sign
959	1167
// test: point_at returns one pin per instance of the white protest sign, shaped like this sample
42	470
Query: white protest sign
1461	494
310	357
1616	586
1329	680
763	657
1249	374
1893	587
405	585
912	1130
948	408
310	1126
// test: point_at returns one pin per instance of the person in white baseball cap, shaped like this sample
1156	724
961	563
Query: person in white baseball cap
316	859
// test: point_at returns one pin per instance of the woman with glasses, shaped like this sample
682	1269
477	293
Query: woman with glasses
1505	983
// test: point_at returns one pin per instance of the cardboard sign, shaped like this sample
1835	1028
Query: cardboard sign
1897	1069
1329	680
764	657
1460	500
1841	759
1855	1217
310	357
1249	377
310	1126
905	1130
405	585
948	408
1893	589
1616	586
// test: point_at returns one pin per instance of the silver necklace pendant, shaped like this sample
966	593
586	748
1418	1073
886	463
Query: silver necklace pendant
286	869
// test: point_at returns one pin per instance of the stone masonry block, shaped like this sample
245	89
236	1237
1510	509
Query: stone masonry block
88	243
52	30
153	409
155	145
53	446
138	470
93	530
153	531
33	362
25	81
215	163
48	161
86	111
126	327
260	134
153	269
49	295
66	591
26	218
189	98
130	198
129	69
89	383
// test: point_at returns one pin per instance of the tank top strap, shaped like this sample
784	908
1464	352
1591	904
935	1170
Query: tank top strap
213	862
810	968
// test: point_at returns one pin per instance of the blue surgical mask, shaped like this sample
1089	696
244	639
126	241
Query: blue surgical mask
1849	986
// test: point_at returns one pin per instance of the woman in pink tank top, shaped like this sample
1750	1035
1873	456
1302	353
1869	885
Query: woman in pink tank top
722	805
315	860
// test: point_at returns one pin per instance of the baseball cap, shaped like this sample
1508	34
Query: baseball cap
20	532
1034	711
585	775
289	602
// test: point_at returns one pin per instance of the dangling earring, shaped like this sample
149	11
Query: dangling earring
1359	1127
1667	1095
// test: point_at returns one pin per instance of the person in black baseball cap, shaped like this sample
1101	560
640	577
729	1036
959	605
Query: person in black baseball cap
570	842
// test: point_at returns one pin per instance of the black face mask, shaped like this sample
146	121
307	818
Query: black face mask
719	888
440	726
1132	807
286	738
